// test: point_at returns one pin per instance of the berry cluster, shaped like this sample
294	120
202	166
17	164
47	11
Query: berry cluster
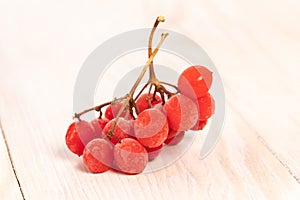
135	128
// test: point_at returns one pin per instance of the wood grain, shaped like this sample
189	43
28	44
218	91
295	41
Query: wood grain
255	46
9	188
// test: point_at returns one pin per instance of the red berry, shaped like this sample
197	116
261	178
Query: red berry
159	107
123	129
151	128
143	104
78	135
98	125
199	125
175	140
98	155
112	111
181	112
195	81
206	107
153	152
172	133
130	156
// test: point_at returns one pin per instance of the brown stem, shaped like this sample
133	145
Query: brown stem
151	68
169	84
96	108
141	91
137	82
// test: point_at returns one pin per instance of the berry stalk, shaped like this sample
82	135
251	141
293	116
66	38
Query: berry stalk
151	68
153	81
129	98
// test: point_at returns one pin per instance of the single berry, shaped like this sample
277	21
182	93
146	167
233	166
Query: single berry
130	156
199	125
181	112
98	125
172	133
112	111
153	152
98	155
195	81
78	135
175	140
143	101
151	128
206	107
123	129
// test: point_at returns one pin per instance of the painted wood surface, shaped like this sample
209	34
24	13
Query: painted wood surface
255	46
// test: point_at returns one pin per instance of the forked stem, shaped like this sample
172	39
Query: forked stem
137	82
151	68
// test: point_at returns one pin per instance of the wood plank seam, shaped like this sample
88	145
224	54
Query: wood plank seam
265	144
11	161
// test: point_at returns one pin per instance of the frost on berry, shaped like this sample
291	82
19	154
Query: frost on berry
78	135
98	125
181	113
130	156
123	129
175	140
142	102
98	155
151	128
195	81
206	107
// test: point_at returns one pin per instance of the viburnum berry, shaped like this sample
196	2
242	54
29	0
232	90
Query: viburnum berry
112	111
98	155
142	102
78	135
206	107
98	125
130	156
182	113
195	81
199	125
123	129
153	152
151	128
175	140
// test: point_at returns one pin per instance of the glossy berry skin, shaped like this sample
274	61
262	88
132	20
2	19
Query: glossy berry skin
78	135
142	102
98	125
98	155
206	107
172	133
199	125
151	128
195	81
123	129
175	140
153	152
130	156
182	113
112	111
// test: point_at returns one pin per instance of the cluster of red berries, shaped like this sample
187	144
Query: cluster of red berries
127	142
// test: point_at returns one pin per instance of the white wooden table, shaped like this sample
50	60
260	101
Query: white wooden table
254	44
